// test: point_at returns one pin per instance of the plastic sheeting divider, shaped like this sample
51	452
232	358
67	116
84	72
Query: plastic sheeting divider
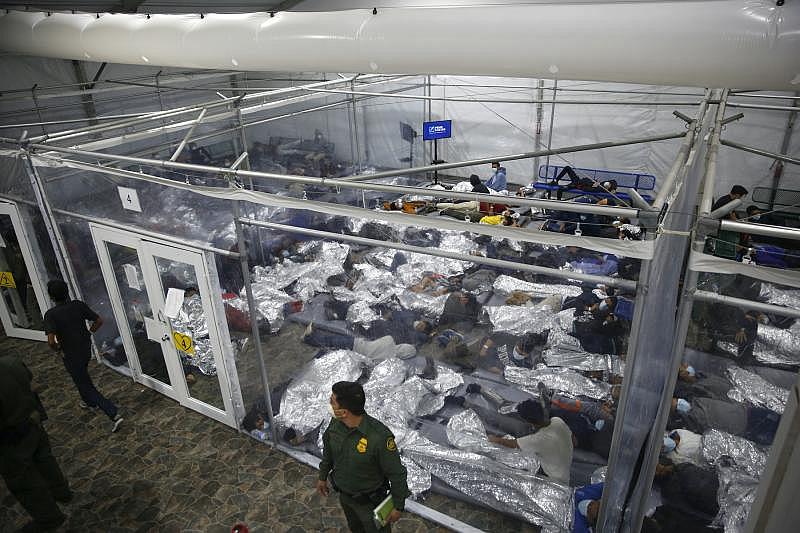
632	249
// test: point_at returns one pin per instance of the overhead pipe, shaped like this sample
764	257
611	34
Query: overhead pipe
744	43
514	157
706	296
759	151
778	232
158	115
253	108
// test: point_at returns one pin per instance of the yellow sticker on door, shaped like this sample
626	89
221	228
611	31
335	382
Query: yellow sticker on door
183	342
7	280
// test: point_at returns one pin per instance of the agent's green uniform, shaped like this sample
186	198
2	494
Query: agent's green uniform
361	461
26	461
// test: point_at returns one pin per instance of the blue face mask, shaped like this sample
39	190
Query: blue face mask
683	406
603	307
669	445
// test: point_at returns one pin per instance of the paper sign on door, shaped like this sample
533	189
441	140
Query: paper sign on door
132	276
7	280
174	303
183	342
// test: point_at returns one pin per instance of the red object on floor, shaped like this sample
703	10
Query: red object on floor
240	528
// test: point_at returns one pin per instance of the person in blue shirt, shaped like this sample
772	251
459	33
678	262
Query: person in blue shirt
498	180
587	506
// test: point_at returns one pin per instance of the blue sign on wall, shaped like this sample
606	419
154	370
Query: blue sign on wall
439	129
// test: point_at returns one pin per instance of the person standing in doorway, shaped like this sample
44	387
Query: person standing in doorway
26	461
65	325
361	457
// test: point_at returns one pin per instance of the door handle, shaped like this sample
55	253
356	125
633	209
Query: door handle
165	337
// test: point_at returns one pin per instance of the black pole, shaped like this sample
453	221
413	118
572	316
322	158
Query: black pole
435	159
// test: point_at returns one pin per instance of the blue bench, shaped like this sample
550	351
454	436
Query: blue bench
627	180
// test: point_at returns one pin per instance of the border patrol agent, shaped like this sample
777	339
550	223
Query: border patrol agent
361	457
26	461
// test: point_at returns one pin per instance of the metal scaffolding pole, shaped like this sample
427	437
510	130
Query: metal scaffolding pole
53	231
513	157
741	303
787	137
648	367
711	156
272	104
60	136
779	232
537	140
185	139
554	272
550	129
765	107
254	314
513	100
693	128
759	151
542	203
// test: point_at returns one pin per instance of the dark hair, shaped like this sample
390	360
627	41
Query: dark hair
738	189
474	179
249	421
751	209
531	411
58	290
496	163
530	340
350	396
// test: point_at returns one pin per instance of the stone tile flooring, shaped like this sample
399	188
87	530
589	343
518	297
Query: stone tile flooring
170	469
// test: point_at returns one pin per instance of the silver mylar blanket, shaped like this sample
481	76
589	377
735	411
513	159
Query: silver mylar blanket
560	379
574	357
508	284
311	276
772	294
536	499
304	405
520	319
745	454
191	321
750	387
736	494
466	432
775	346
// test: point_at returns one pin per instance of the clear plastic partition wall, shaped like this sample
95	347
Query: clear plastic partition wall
456	355
739	364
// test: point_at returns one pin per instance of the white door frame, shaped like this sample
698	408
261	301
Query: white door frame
39	286
148	248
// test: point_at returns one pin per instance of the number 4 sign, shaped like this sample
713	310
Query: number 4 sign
130	200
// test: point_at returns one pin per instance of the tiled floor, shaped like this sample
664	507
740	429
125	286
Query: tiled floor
170	469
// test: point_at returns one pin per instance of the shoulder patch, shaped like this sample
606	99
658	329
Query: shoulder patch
390	444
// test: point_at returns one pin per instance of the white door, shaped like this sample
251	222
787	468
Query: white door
175	350
23	295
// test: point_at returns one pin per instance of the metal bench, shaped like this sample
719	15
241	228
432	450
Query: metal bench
625	180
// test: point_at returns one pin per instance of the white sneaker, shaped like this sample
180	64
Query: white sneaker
117	423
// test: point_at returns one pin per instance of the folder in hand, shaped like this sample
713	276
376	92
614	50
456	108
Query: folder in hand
382	511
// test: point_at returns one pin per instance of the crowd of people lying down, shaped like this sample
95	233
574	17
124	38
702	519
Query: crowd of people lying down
730	394
517	368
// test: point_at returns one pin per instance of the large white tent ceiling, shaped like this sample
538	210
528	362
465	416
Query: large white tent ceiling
730	43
